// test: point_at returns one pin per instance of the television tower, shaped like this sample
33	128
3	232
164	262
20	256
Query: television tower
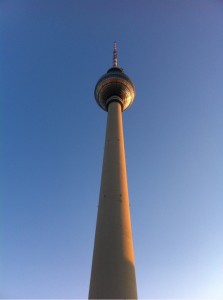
113	268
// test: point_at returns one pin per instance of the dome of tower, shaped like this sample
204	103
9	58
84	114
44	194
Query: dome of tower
115	85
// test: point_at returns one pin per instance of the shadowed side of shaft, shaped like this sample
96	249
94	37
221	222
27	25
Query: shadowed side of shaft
113	270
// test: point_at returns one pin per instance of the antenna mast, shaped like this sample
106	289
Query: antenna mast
115	56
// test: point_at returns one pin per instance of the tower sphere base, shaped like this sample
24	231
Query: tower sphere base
115	85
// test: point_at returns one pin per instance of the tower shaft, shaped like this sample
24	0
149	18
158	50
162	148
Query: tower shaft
113	270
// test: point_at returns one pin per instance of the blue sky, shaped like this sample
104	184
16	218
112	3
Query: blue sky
52	139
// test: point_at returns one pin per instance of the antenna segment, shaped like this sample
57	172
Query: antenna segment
115	56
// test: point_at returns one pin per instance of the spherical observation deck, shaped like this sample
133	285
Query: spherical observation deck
115	85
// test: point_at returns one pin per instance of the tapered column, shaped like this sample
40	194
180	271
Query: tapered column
113	270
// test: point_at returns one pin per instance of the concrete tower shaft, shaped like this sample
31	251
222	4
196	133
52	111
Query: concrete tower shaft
113	270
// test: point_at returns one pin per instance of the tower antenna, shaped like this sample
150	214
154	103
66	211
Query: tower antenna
115	55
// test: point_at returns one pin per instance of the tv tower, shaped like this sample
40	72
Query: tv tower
113	268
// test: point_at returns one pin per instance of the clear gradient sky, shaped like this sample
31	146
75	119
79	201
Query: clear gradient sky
52	138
